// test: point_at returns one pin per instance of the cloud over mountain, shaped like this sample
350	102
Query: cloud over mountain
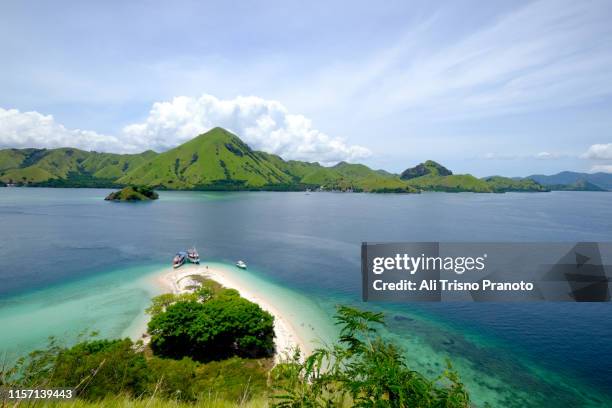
264	124
599	152
602	168
32	129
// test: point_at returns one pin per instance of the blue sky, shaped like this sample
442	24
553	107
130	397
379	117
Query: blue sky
505	87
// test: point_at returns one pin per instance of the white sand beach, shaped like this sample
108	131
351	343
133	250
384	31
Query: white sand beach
287	338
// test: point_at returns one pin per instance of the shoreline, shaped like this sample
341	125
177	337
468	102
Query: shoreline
286	338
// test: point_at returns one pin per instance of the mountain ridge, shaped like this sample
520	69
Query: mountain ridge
66	166
561	180
220	160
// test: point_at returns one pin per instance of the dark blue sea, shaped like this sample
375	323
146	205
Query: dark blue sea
523	355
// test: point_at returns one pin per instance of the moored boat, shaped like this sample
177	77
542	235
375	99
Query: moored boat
241	265
193	256
179	259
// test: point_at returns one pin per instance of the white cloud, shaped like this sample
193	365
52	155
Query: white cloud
32	129
498	156
599	152
602	167
511	156
544	155
263	124
553	155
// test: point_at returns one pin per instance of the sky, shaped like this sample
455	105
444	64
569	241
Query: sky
506	87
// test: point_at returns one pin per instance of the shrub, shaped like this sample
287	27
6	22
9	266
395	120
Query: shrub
98	368
362	370
225	325
107	368
171	330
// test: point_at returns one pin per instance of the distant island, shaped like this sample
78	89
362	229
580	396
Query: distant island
573	181
133	193
218	160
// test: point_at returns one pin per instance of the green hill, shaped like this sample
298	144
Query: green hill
219	160
113	166
570	180
133	193
431	176
295	169
504	184
429	168
12	158
452	183
358	177
580	185
66	166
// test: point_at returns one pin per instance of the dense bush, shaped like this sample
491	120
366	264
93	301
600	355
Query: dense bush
171	330
99	368
223	326
105	368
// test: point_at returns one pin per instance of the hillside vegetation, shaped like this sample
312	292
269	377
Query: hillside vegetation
580	185
429	168
216	158
133	193
67	167
220	160
432	176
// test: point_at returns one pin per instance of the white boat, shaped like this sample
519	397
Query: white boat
241	265
179	259
193	256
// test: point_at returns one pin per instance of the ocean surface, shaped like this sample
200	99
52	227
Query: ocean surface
72	263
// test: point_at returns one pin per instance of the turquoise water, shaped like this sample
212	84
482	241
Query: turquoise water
111	302
71	263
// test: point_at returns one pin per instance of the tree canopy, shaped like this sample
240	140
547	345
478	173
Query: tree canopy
225	325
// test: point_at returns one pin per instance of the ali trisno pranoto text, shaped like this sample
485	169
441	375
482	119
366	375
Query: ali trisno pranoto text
450	285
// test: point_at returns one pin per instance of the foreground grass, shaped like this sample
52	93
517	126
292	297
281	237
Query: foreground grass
209	401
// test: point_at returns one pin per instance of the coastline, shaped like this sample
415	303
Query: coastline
287	337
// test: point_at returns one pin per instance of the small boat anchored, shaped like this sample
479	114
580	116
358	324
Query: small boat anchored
193	256
179	259
241	265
